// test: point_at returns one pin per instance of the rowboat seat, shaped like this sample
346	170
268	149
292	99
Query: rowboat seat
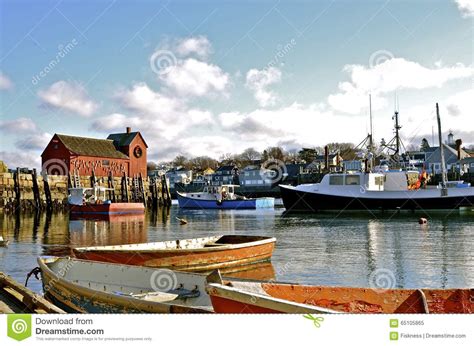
156	296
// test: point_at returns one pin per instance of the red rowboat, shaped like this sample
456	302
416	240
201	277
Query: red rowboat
200	254
106	209
267	297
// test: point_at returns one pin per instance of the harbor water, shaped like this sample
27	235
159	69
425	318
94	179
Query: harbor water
343	249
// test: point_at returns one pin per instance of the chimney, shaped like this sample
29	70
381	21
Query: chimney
458	147
129	129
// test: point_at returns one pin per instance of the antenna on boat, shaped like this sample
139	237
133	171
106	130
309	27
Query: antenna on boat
368	141
444	190
371	127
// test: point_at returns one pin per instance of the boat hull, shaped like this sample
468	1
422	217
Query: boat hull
286	298
303	201
73	297
107	209
253	203
198	260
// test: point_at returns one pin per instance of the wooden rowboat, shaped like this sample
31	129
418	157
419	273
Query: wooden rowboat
200	254
267	297
96	287
16	298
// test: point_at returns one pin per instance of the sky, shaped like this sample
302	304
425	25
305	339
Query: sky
216	77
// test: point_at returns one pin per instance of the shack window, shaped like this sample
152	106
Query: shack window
336	180
105	162
352	180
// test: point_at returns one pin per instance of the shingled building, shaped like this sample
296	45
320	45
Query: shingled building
119	153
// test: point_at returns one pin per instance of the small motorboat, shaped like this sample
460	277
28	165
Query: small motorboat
221	197
94	287
87	202
271	297
199	254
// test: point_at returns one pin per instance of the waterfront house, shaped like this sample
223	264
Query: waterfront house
120	153
227	174
292	172
253	176
467	164
179	175
430	158
319	163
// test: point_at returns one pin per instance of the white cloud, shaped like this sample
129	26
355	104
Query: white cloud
166	122
36	141
192	77
69	97
5	82
389	76
199	45
466	7
18	126
22	158
259	80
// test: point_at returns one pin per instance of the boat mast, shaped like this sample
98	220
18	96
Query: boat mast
444	190
371	141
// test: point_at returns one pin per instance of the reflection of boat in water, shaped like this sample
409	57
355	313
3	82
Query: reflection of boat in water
114	229
262	271
93	201
229	296
115	218
199	254
96	287
221	197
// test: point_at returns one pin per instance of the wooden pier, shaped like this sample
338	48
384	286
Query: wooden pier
16	298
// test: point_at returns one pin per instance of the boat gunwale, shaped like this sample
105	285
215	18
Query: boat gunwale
265	301
215	248
184	195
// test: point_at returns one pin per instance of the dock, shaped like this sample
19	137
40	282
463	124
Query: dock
16	298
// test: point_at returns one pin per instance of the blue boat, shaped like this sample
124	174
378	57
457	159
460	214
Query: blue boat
221	197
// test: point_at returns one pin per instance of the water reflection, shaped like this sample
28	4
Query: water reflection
334	249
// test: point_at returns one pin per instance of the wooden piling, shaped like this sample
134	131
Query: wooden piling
142	189
93	179
110	184
36	193
124	186
16	188
47	193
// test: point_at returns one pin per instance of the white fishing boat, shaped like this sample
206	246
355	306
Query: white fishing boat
380	188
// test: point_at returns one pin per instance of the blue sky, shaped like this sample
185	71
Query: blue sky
213	77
